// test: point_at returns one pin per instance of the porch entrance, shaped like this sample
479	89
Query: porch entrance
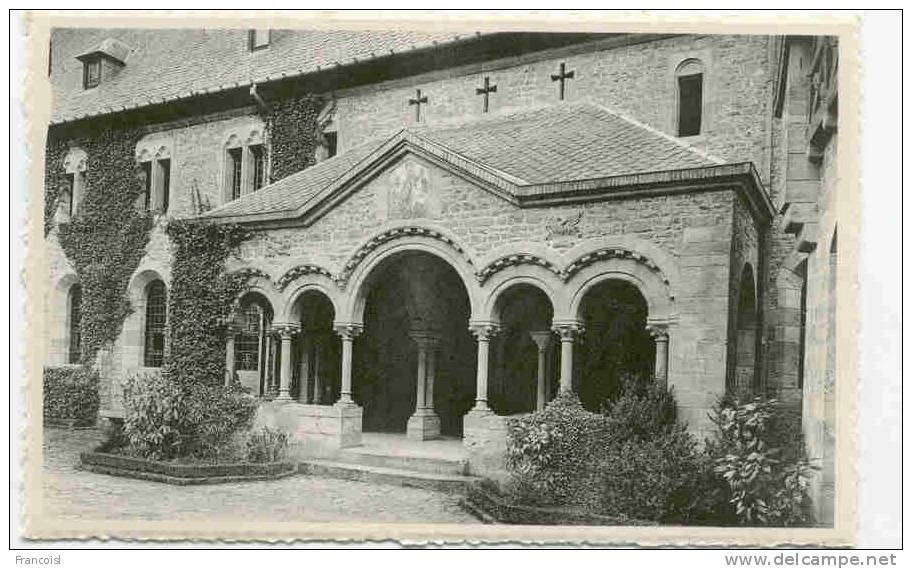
414	369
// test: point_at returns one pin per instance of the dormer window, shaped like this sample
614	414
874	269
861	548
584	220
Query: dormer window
258	39
102	62
91	73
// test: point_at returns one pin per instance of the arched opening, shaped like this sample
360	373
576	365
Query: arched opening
251	325
74	316
416	317
745	377
524	377
317	351
155	324
616	345
689	84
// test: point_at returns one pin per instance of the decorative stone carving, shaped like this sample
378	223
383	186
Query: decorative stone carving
562	231
348	331
252	273
299	271
362	252
409	192
484	332
566	273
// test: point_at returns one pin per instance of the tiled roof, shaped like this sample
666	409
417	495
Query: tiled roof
521	151
166	63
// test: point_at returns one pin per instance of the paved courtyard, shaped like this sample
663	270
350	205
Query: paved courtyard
71	493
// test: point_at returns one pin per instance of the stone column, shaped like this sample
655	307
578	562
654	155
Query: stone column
304	369
229	356
348	333
568	332
542	339
431	377
286	332
483	333
268	377
424	424
659	333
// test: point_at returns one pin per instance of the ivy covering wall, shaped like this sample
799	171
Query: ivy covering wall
293	134
201	299
107	237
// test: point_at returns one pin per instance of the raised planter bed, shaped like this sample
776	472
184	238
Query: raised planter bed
491	508
182	474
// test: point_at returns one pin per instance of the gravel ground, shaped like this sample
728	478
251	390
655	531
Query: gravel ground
74	494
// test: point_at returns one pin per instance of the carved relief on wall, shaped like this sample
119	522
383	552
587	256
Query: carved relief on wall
564	231
409	191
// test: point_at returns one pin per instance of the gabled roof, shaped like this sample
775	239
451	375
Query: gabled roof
164	65
525	157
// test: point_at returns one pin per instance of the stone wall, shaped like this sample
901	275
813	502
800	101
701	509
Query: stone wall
637	80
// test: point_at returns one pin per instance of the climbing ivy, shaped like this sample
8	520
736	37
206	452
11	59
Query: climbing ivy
294	134
201	299
107	237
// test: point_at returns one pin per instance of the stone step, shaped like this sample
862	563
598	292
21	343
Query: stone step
382	475
433	465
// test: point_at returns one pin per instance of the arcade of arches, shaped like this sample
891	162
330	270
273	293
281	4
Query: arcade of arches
416	363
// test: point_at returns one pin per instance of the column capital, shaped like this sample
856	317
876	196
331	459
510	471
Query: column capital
427	339
285	329
658	331
348	330
568	330
542	338
484	331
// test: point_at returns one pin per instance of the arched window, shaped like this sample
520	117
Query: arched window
245	161
75	348
74	167
156	317
248	342
689	80
153	156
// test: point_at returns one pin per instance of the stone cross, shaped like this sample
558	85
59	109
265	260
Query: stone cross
417	101
562	76
486	91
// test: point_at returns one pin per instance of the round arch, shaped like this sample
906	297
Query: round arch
59	322
744	370
308	284
360	277
135	324
534	276
659	299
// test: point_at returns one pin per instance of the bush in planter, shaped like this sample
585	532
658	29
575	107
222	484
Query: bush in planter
165	420
71	395
757	449
643	410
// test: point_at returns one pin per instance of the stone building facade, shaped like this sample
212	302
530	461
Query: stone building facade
490	220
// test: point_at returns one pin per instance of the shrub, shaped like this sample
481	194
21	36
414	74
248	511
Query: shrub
71	395
551	453
153	406
758	451
267	445
663	478
643	410
165	420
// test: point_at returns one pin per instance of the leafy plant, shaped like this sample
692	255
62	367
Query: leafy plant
164	419
267	445
767	483
71	395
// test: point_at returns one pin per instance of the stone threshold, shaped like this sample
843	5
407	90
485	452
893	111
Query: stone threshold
385	475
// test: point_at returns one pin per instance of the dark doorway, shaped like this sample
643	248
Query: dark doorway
615	345
414	292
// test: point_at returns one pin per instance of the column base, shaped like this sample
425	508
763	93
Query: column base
423	425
